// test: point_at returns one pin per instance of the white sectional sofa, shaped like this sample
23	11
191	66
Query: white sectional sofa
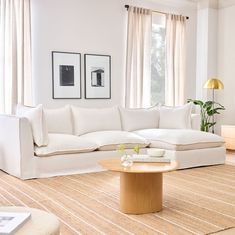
43	143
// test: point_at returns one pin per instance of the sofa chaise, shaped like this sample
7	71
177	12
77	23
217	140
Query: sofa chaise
40	142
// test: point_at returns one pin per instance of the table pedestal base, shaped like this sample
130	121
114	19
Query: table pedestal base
140	193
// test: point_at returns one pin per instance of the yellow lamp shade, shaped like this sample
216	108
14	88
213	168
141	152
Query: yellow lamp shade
214	83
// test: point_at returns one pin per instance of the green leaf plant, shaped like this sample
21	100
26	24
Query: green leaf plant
121	149
207	110
136	149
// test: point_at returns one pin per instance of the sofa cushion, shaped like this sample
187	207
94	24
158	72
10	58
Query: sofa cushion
36	118
59	120
180	139
88	120
65	144
175	117
196	121
137	119
109	140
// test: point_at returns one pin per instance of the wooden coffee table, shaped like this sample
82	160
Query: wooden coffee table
140	185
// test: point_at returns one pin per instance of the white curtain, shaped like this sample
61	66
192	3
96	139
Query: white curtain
175	59
138	61
15	54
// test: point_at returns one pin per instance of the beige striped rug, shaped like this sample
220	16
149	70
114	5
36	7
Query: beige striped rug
196	201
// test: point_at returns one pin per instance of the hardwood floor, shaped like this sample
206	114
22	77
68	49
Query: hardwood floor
195	201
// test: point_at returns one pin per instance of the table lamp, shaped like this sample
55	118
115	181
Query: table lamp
214	84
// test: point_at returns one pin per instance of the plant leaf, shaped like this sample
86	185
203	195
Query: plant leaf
196	102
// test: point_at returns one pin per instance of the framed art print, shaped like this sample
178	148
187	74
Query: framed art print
66	75
97	76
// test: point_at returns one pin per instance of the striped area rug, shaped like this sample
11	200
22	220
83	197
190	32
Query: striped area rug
196	201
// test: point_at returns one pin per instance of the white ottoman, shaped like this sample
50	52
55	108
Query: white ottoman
40	222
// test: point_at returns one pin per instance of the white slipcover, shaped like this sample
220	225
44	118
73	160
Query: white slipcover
17	154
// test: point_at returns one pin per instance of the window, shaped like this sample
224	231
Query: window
158	60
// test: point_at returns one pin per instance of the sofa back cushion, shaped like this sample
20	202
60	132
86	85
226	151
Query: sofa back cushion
137	119
88	120
36	118
175	117
196	121
59	120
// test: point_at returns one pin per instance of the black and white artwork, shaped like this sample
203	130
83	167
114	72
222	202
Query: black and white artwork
97	76
66	75
66	72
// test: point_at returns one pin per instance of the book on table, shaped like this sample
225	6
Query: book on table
11	221
147	158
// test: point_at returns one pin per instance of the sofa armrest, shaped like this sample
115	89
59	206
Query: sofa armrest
196	121
16	145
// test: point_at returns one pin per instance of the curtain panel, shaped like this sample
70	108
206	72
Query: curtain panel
175	60
15	54
138	60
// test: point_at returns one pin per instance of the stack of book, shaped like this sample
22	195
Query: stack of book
11	221
155	155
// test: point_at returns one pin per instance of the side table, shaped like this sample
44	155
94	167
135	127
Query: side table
228	133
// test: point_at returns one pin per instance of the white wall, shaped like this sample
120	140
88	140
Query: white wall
202	52
216	54
226	63
207	31
99	27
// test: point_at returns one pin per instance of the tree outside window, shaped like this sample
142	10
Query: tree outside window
158	63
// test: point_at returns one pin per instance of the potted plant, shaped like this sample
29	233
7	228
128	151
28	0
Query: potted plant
207	110
125	158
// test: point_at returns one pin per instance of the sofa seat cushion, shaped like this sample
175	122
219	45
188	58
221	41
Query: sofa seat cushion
181	139
109	140
65	144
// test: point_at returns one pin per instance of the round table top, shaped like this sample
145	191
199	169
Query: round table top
114	164
39	223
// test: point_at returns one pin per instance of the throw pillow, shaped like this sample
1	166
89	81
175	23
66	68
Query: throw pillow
36	117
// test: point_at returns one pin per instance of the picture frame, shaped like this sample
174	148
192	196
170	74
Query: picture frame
66	75
97	76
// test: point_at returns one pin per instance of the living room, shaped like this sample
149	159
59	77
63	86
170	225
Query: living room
117	117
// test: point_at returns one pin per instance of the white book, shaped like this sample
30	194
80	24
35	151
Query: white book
11	221
146	158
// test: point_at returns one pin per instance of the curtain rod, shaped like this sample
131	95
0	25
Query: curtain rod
160	12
